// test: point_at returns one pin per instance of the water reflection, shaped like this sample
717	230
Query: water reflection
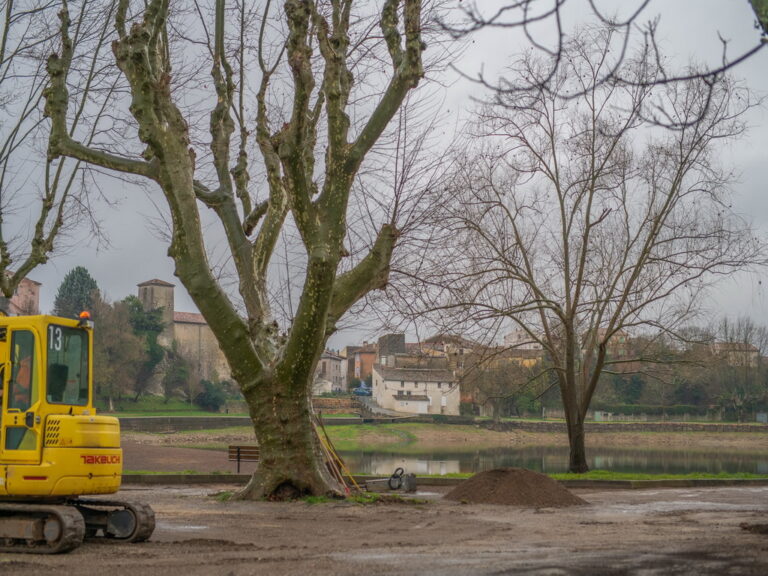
553	459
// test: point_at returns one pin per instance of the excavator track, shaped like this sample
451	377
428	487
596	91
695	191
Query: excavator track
40	528
123	521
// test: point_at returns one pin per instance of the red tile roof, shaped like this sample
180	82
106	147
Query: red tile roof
188	318
156	282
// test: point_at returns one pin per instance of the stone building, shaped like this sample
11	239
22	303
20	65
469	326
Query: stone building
330	374
190	331
360	360
415	382
416	390
737	354
521	340
389	346
157	294
26	298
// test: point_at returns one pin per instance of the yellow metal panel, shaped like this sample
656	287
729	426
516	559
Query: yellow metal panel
67	471
77	452
97	485
62	430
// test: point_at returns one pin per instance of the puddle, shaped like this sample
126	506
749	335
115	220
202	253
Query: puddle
426	495
680	506
179	527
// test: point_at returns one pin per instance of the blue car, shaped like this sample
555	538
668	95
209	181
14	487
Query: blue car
362	391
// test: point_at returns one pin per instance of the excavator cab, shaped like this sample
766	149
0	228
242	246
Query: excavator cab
54	448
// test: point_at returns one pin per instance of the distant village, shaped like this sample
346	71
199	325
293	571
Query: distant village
451	375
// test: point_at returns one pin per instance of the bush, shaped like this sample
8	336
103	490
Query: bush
467	409
652	410
213	397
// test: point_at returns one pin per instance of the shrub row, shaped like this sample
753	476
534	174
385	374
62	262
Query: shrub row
652	410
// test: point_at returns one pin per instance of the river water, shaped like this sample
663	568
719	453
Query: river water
553	459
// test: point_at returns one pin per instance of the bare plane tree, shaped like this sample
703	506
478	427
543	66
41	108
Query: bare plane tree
545	25
576	221
296	98
42	199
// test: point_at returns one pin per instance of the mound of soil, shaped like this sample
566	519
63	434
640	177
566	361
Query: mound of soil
514	487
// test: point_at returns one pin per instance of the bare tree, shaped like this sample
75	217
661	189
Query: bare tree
307	89
737	363
545	26
118	353
577	223
43	199
501	383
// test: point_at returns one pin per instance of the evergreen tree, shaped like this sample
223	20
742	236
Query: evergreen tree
144	322
77	292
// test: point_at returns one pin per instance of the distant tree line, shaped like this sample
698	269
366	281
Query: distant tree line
721	368
717	370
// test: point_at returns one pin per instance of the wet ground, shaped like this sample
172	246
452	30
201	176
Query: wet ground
642	532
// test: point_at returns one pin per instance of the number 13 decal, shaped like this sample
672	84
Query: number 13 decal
54	338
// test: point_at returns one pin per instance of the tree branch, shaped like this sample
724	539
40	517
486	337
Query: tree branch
371	273
408	72
56	103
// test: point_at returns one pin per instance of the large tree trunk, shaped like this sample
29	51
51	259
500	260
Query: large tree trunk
577	460
574	419
291	461
496	406
290	465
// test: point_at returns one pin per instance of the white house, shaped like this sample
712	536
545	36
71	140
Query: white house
330	374
521	340
416	390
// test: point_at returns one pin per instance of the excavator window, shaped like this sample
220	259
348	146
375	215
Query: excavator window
67	366
23	384
23	388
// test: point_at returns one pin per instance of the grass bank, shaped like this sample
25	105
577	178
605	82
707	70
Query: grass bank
608	475
156	406
630	476
412	437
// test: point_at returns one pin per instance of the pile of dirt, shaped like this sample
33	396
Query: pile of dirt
514	487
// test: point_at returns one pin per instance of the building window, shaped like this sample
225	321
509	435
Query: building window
402	384
439	385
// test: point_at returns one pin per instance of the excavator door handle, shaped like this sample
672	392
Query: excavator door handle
29	419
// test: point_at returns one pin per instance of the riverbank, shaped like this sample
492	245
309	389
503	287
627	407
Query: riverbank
457	437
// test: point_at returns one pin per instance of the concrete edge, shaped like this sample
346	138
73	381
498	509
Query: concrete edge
242	479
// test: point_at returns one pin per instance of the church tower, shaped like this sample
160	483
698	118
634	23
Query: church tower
159	294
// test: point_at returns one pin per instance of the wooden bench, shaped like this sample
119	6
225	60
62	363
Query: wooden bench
243	453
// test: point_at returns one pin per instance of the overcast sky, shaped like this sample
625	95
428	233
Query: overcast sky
689	29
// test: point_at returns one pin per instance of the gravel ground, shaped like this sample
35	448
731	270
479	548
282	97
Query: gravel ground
643	532
706	531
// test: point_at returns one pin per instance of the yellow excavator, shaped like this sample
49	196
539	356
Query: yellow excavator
54	449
